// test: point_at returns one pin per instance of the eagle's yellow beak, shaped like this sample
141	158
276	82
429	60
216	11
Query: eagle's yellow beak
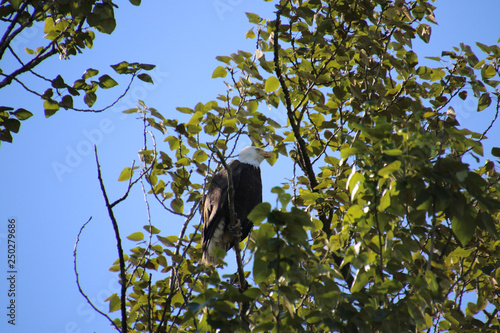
266	154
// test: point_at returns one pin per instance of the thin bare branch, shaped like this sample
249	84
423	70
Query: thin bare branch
80	289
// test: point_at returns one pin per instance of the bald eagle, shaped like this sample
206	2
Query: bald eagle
247	188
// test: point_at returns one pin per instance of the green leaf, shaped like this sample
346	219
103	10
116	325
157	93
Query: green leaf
146	67
184	110
115	268
272	83
393	152
67	102
385	201
253	18
90	98
22	114
126	174
50	107
136	236
484	101
145	77
224	59
252	293
5	136
123	68
220	71
484	48
133	110
252	106
102	18
12	125
90	73
135	2
107	82
360	281
177	205
389	169
424	32
486	222
464	229
259	213
261	270
495	151
346	152
250	34
487	72
152	229
58	82
114	303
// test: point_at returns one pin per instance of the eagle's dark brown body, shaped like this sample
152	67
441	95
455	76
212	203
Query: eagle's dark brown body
247	186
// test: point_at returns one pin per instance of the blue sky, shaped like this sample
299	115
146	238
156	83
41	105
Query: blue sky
50	206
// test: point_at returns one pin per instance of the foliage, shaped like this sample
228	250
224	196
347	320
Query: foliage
386	227
69	28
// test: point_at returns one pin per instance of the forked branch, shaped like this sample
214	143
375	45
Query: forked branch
123	275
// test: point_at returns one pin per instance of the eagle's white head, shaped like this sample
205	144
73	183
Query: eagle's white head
253	155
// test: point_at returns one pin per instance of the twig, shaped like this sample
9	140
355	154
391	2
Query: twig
123	276
148	247
75	268
112	104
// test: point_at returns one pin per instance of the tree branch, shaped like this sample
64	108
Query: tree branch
123	276
78	277
7	37
303	157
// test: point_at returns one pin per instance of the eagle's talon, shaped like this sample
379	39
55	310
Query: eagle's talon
236	229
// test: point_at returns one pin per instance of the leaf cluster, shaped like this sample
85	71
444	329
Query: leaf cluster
69	28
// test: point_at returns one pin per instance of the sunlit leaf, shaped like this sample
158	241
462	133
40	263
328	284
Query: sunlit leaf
151	229
484	102
114	303
107	81
136	236
389	169
22	114
253	18
272	83
126	174
220	71
50	107
177	205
